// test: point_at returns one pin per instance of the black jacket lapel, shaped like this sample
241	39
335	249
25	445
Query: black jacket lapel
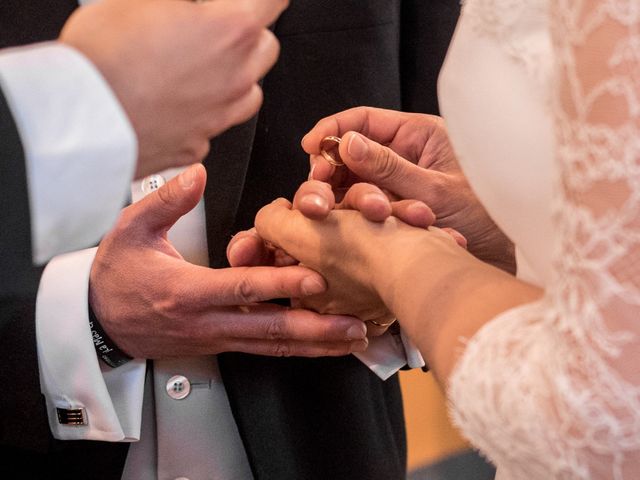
227	166
28	21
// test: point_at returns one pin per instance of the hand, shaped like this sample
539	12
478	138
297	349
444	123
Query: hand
154	304
248	249
184	72
315	200
354	255
409	157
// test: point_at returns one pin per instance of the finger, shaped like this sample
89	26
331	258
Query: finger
457	236
414	213
238	111
288	348
379	326
314	199
369	200
274	322
265	54
383	167
162	208
339	178
320	169
376	123
275	221
265	12
247	249
246	285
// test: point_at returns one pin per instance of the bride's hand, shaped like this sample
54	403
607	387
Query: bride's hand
315	200
354	255
409	156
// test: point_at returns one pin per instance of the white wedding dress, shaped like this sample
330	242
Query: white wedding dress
541	99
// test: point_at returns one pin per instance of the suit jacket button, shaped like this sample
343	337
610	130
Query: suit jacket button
178	387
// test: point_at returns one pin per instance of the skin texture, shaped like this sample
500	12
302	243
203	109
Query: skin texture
406	169
438	291
154	304
408	156
183	72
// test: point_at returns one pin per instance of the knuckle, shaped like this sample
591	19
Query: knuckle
281	349
245	291
242	83
275	328
165	196
387	165
247	25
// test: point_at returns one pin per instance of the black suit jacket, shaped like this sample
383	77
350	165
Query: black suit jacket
328	418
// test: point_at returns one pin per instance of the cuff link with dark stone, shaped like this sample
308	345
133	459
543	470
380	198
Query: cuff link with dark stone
329	150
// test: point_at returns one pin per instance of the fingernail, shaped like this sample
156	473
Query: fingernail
422	211
303	139
188	177
357	147
234	246
357	332
313	167
312	286
313	199
359	346
376	197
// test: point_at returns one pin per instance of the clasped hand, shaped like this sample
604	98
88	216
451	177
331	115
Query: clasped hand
154	304
403	170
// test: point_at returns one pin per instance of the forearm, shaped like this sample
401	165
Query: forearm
441	302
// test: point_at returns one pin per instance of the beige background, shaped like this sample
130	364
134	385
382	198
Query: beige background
430	435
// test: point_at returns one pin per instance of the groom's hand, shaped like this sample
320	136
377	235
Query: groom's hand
154	304
183	71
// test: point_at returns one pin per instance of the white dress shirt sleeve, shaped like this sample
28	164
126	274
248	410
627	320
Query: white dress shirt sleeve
71	376
79	146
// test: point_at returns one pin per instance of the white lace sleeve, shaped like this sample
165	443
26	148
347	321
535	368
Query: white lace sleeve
552	389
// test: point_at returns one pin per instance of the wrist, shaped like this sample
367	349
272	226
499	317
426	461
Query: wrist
106	349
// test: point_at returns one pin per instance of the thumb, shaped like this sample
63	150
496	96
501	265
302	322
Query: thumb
161	209
384	168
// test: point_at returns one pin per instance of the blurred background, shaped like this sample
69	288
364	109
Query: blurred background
436	450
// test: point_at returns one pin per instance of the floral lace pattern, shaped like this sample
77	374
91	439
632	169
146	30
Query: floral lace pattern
552	389
516	27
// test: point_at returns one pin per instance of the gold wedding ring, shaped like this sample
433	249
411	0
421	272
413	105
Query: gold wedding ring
331	144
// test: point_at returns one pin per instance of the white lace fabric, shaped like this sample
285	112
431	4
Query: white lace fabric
551	390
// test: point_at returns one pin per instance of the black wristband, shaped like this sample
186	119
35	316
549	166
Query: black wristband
106	349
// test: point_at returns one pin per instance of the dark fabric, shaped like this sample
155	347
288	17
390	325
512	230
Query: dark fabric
26	444
28	21
322	418
18	277
299	418
21	22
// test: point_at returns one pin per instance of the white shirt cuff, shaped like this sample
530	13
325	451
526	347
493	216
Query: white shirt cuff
79	146
390	352
71	376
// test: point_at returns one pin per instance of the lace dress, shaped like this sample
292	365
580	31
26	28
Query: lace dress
542	99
